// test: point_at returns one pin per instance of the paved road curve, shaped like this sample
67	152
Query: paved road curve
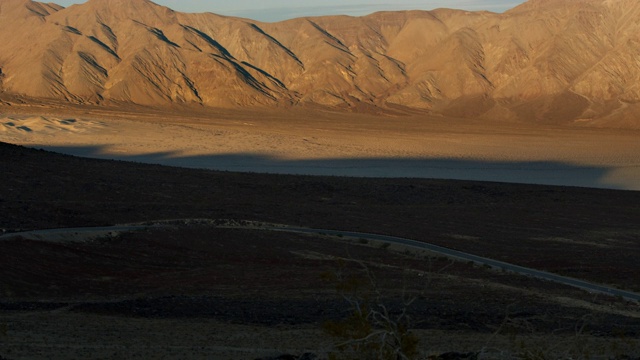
470	257
71	234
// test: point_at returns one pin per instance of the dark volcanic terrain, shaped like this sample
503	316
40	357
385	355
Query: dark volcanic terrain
44	190
273	288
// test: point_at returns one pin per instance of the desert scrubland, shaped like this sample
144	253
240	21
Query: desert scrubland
196	290
509	136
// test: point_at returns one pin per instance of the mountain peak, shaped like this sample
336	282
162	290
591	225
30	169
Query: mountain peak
113	11
120	3
17	10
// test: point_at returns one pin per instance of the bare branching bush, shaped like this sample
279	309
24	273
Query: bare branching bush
377	325
370	331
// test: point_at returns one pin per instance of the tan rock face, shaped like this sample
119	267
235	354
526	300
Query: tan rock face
546	60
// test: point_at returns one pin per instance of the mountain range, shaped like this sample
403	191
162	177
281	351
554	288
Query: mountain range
551	61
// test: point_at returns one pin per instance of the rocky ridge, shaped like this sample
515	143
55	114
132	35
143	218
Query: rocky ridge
560	61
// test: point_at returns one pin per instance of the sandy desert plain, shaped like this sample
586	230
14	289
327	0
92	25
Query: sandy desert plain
195	290
316	142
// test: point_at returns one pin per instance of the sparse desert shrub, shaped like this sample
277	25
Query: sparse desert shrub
370	331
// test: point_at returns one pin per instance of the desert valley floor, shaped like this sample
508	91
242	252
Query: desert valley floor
314	142
199	290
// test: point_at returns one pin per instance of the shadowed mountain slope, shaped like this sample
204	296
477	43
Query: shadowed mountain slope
557	61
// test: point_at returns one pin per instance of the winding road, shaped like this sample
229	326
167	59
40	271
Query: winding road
75	234
585	285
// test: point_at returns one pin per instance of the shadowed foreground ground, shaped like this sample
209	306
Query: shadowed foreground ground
253	293
600	228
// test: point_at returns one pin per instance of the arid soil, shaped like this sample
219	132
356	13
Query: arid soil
258	293
333	143
197	291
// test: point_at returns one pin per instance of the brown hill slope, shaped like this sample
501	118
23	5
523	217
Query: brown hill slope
552	61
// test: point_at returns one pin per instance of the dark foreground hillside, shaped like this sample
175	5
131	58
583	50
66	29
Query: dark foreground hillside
199	292
599	228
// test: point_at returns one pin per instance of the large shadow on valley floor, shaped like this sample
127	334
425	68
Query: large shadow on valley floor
536	172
